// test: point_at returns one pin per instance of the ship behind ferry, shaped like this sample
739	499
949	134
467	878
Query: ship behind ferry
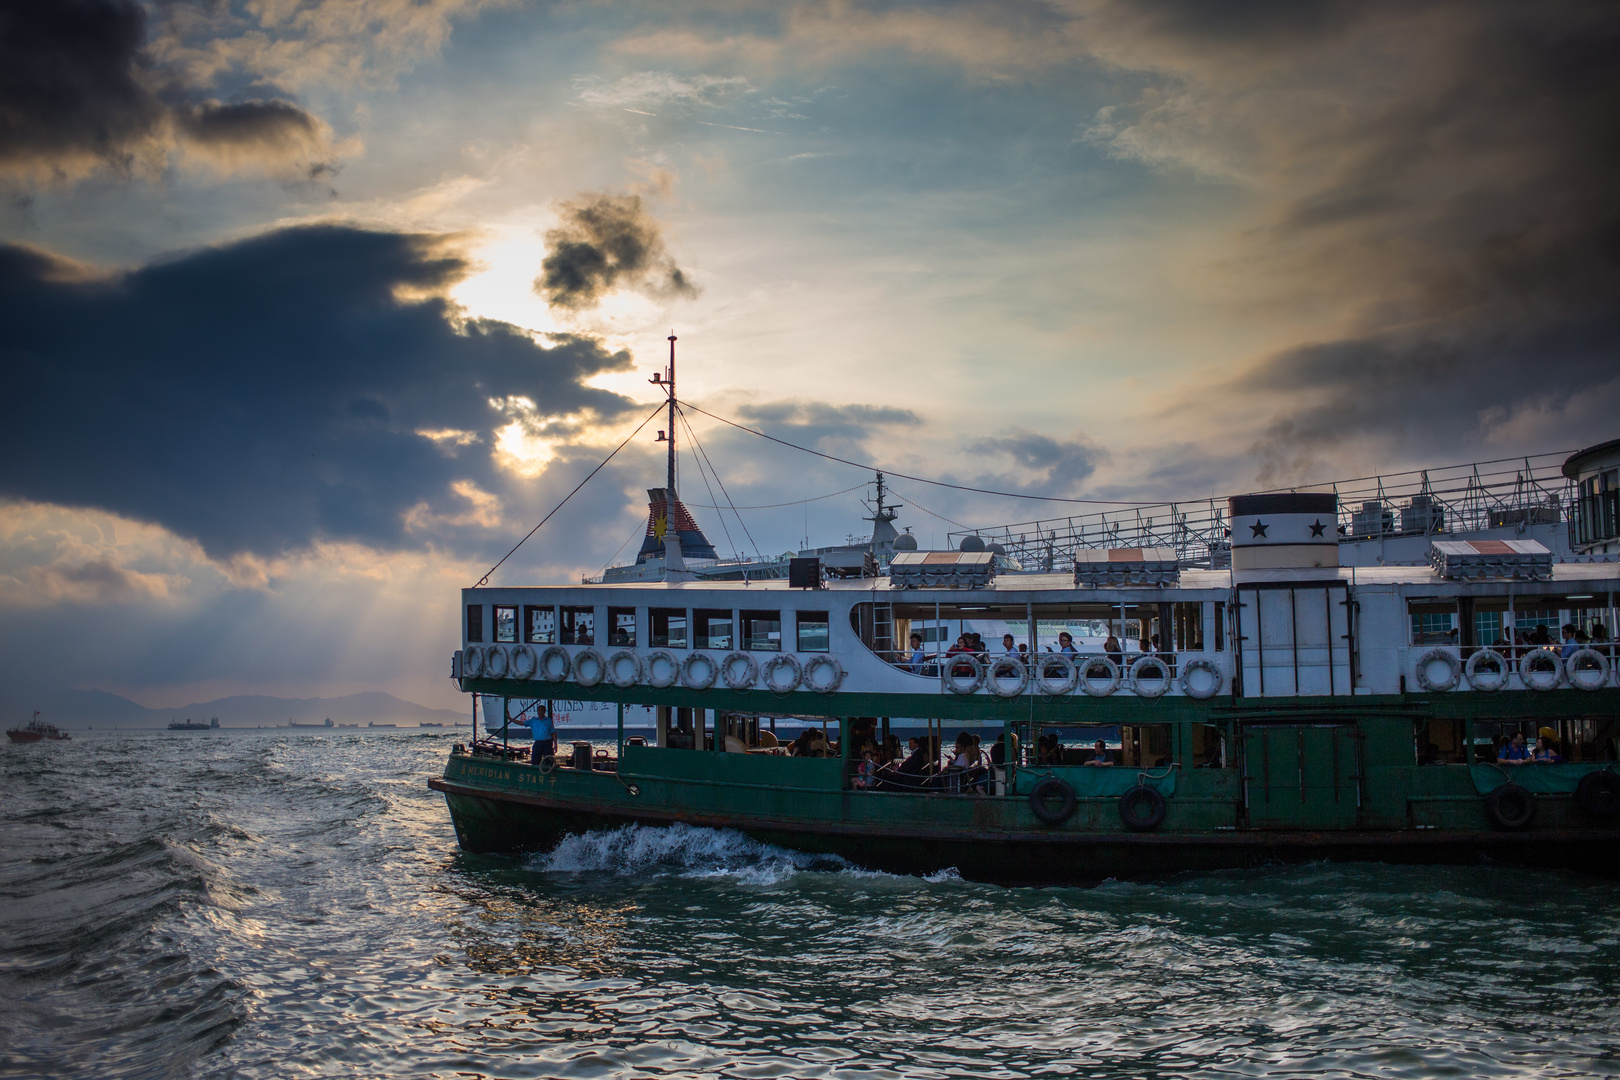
1272	697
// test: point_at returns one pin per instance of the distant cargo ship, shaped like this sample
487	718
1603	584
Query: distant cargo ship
194	725
291	723
381	725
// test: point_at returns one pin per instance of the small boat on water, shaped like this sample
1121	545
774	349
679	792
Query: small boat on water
36	731
371	724
194	725
1292	691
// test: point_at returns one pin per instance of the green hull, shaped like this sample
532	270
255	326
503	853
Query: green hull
1429	814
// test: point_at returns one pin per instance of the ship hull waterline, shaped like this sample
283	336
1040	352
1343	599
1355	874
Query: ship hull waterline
502	822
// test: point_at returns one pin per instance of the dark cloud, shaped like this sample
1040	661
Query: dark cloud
271	393
78	89
817	423
607	242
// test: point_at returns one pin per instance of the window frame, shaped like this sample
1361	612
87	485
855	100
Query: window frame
614	614
655	614
530	636
799	623
569	634
702	639
506	637
475	624
745	638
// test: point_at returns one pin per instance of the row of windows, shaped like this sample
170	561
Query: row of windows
667	628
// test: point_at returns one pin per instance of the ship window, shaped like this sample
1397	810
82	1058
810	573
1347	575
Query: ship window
813	633
1187	624
475	622
540	625
762	631
505	623
711	628
622	627
668	627
1145	746
578	626
1220	626
1433	623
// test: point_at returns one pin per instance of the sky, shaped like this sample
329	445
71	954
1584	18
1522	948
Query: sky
309	309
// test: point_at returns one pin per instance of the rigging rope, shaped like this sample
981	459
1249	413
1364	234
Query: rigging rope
920	479
485	579
682	413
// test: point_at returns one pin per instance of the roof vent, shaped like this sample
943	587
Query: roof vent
1095	567
942	570
1476	560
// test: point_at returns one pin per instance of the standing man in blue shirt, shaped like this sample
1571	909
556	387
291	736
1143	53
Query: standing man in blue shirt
545	734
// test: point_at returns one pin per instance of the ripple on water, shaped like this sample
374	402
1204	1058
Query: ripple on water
260	904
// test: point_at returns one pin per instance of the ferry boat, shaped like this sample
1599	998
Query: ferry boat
1276	703
36	731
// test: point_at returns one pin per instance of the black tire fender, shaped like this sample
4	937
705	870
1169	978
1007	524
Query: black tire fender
1510	807
1598	795
1044	790
1135	815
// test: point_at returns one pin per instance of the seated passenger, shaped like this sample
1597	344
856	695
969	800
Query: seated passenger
863	734
1513	752
923	762
891	752
1112	649
1048	750
1008	648
1546	752
917	654
998	751
1569	646
1100	754
1066	644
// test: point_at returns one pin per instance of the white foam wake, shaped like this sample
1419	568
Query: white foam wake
643	850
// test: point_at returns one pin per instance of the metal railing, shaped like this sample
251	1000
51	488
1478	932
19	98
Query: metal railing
1455	498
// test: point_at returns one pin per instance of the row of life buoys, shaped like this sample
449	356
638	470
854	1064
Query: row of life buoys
1057	674
782	674
1488	671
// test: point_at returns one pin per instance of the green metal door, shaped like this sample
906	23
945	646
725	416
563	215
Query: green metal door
1301	776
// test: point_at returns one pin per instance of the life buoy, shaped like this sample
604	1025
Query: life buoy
589	667
963	673
1015	670
1040	800
1065	671
495	664
1587	669
699	671
555	664
523	662
624	669
1438	658
663	669
1201	679
472	661
1510	807
782	673
1598	795
548	762
1153	687
1487	671
1111	674
739	671
823	674
1541	669
1141	808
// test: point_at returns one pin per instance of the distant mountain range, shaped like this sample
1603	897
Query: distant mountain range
99	709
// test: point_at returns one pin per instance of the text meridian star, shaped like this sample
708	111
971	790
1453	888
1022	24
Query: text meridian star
1258	528
1317	527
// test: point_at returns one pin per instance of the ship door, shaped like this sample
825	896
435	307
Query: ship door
1301	776
1294	640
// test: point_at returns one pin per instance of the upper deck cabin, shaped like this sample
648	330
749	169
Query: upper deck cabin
1283	622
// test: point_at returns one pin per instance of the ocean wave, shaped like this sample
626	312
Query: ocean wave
644	850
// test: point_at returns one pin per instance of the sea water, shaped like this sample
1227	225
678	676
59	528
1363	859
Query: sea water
292	904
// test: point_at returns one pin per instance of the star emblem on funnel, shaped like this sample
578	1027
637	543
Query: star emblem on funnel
1317	527
1258	528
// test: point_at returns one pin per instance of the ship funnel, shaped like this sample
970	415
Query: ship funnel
666	515
1289	531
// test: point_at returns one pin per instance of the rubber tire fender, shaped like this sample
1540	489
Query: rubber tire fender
1067	804
1510	807
1598	795
1128	808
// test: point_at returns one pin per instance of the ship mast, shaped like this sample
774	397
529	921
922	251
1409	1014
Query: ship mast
669	388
